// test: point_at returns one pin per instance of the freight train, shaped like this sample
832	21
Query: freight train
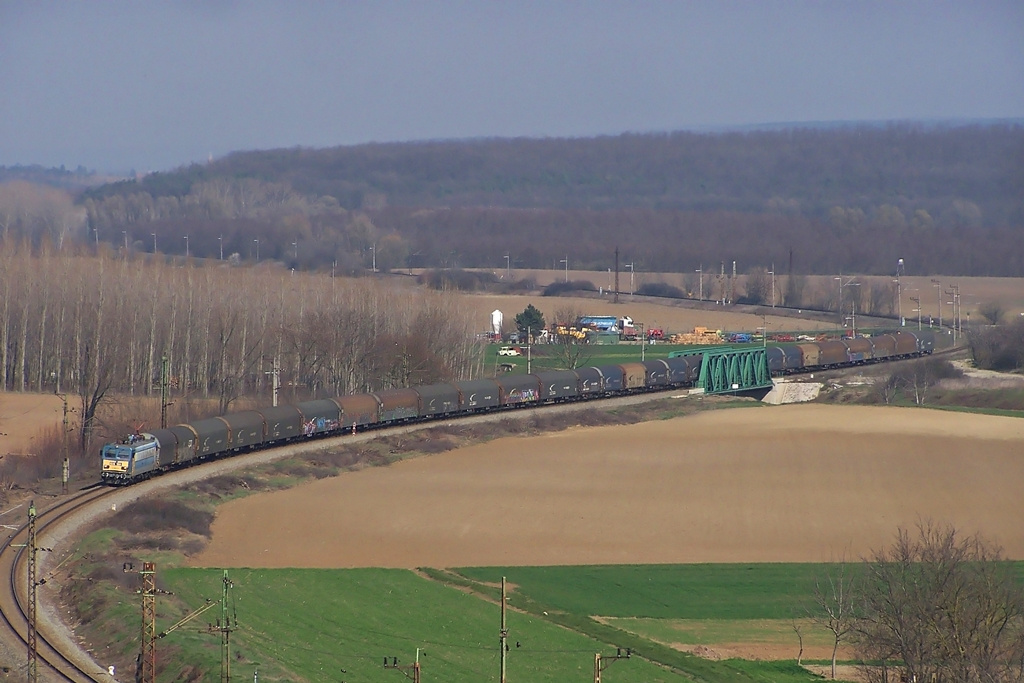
143	455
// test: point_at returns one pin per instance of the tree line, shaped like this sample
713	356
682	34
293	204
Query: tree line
95	325
798	170
948	200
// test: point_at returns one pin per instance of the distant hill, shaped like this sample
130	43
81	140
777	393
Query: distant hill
806	170
74	181
849	198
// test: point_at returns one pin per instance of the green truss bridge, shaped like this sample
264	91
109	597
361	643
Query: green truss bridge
727	370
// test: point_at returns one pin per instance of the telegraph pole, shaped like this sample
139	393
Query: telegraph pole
503	633
66	466
602	663
617	276
163	391
275	378
33	673
410	671
226	625
147	657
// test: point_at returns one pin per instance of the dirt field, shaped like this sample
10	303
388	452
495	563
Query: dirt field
24	417
668	318
791	483
974	291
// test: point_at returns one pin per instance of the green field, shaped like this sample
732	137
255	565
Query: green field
312	624
695	591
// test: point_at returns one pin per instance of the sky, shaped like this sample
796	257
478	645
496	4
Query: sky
148	86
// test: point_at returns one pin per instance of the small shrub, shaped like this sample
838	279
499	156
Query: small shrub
163	515
455	278
999	347
559	288
660	289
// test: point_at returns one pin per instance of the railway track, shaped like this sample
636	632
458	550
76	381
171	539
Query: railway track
54	660
59	659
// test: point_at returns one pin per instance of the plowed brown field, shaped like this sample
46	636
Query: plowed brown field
792	483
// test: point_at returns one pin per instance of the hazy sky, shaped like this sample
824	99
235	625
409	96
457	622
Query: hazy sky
154	85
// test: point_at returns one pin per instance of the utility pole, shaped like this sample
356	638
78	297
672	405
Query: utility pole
33	673
529	350
503	633
954	292
601	663
66	466
899	291
616	275
147	658
839	306
275	380
163	391
732	284
225	625
917	300
938	299
411	671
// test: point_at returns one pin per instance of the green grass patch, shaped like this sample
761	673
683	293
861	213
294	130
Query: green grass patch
692	591
312	624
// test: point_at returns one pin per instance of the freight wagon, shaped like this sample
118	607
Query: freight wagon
142	455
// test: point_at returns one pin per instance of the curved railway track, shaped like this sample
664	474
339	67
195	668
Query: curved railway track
54	661
61	660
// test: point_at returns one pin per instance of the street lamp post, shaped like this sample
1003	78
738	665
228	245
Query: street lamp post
630	266
186	246
508	266
373	253
154	241
938	299
772	271
257	241
295	250
700	283
221	241
566	262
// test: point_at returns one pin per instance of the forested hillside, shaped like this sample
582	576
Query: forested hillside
946	199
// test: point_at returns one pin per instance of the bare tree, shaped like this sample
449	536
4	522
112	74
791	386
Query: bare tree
834	595
759	286
798	628
941	606
570	343
993	311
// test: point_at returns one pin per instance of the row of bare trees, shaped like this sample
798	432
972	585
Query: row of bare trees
98	325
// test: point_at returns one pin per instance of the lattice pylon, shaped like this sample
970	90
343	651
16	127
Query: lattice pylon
147	658
33	671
